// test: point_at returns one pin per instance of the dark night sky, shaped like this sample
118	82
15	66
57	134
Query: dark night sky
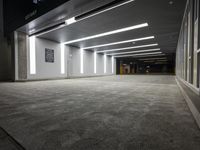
16	11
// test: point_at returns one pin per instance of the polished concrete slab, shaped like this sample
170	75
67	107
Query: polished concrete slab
140	112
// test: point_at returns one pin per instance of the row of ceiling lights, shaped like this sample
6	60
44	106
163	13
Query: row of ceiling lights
121	54
155	51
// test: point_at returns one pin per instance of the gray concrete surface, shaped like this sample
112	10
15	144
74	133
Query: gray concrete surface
7	142
138	112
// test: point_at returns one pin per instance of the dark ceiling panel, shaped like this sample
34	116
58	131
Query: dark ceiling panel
61	13
164	23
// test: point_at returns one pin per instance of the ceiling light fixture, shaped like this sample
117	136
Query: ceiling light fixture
164	60
138	54
78	18
155	55
70	21
149	61
139	51
160	63
108	33
121	49
153	58
120	42
105	10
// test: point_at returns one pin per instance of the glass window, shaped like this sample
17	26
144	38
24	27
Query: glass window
196	9
198	71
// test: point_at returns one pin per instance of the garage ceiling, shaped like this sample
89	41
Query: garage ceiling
163	16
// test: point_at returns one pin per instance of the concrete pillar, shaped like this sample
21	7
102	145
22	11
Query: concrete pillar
21	56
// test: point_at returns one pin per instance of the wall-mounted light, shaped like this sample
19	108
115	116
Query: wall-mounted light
105	63
62	56
32	55
95	62
81	61
112	64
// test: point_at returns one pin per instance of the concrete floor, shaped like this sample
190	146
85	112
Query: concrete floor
104	113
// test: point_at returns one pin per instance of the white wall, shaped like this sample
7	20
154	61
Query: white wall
100	64
88	63
73	61
88	60
109	65
46	70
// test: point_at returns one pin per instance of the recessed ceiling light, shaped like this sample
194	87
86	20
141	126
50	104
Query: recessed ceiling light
171	2
73	19
153	58
149	61
105	10
143	54
120	42
139	51
160	63
155	55
121	49
70	21
163	60
108	33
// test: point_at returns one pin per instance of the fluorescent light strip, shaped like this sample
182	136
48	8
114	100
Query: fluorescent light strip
108	33
164	60
120	42
105	63
81	61
121	49
70	21
107	9
153	58
62	47
112	64
139	54
155	55
149	61
139	51
95	62
73	19
32	55
161	63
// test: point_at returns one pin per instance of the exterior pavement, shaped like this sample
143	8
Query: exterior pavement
140	112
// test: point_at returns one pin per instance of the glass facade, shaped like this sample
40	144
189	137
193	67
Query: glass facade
188	55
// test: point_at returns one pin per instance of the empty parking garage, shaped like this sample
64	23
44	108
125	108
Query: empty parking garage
99	75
